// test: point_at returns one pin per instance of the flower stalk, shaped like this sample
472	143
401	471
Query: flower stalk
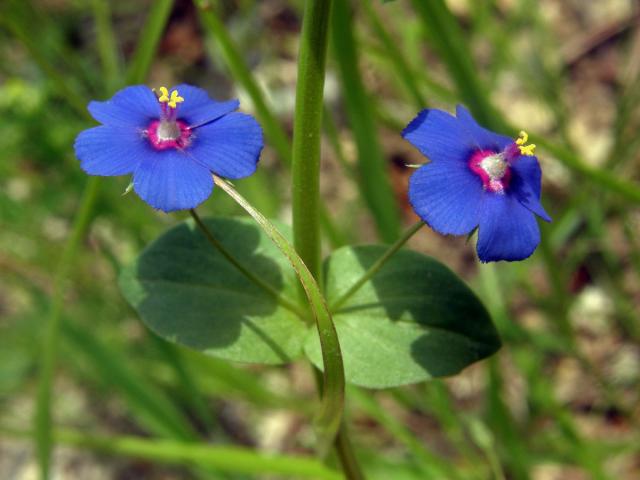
306	208
242	269
306	133
410	232
329	415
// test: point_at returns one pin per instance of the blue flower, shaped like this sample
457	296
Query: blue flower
476	178
170	141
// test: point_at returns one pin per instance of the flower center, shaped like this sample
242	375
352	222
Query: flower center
168	132
163	134
494	165
492	168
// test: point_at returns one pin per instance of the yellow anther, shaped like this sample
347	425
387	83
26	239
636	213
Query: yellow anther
173	100
522	138
521	141
527	149
164	95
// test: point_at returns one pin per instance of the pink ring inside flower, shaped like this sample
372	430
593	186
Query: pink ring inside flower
492	168
164	134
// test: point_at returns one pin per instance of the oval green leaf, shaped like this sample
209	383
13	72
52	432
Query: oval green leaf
414	320
187	292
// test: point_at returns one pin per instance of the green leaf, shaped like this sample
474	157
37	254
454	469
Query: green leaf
414	320
188	293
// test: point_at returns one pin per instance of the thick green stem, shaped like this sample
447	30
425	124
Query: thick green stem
273	130
242	269
350	466
306	133
377	266
306	196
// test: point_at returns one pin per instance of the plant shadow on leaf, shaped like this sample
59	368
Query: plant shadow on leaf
414	320
189	293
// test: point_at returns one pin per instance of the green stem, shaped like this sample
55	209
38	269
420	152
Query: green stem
306	133
377	266
273	130
306	189
346	455
241	268
341	442
330	414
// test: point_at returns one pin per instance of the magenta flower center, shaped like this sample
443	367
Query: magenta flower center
492	168
168	133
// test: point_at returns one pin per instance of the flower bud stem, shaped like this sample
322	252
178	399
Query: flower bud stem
377	266
242	269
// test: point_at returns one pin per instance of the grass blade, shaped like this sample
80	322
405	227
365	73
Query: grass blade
229	459
395	56
157	412
42	419
241	73
374	178
148	41
106	43
446	37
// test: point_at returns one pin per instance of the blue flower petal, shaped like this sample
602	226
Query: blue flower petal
508	230
107	151
133	106
528	200
524	189
526	183
439	136
198	108
483	139
528	170
447	196
230	146
171	180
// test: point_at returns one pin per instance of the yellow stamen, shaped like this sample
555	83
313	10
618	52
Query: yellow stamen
164	95
527	149
523	137
524	148
173	100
